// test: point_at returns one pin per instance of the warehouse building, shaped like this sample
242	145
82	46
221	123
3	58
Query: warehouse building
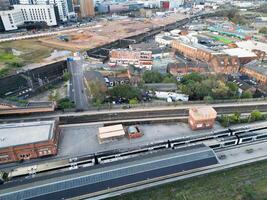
24	141
202	117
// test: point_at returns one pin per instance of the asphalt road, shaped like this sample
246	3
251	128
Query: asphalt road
77	88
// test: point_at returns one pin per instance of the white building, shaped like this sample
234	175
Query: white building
65	7
38	13
12	19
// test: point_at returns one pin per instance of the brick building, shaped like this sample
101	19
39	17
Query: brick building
218	62
179	69
202	117
223	63
124	57
194	51
24	141
256	69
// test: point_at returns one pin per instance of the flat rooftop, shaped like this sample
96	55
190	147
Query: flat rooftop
204	112
239	52
82	139
17	134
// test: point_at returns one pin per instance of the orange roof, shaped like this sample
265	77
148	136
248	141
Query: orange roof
201	113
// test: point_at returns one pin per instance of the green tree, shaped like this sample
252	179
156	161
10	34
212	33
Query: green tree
125	91
65	103
221	91
192	77
224	119
66	76
152	77
133	101
246	95
168	79
208	98
255	115
97	90
263	30
233	89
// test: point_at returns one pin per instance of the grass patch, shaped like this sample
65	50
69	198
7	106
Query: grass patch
242	183
222	39
32	51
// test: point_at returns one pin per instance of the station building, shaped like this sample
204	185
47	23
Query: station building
202	117
24	141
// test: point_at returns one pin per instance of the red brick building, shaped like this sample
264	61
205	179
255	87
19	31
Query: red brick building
124	57
179	69
257	70
218	62
225	64
202	117
24	141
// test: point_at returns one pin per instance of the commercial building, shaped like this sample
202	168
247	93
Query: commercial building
64	7
24	141
109	133
13	19
38	13
257	70
124	57
201	117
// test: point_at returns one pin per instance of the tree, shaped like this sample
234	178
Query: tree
125	91
97	90
221	91
168	79
263	30
255	115
65	103
133	101
208	98
192	77
152	77
224	120
246	95
233	89
66	76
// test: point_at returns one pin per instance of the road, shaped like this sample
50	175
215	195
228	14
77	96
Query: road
77	89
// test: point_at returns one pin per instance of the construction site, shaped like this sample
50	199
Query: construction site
107	31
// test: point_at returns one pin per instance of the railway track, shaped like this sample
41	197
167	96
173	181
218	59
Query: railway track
218	141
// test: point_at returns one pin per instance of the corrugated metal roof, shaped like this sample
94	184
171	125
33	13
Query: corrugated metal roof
176	160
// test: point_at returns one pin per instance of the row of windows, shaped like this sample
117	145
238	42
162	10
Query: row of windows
36	14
